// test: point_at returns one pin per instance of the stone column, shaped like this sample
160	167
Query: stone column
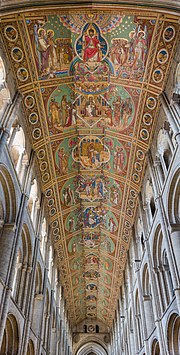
142	311
134	323
149	315
14	250
26	289
12	263
163	220
155	294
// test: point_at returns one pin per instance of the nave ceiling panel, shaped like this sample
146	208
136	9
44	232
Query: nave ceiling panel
90	83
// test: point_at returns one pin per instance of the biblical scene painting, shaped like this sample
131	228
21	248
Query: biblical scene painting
86	64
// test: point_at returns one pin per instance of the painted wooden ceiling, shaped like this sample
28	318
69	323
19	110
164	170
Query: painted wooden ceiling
90	81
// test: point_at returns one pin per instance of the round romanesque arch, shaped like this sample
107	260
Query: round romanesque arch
10	343
173	334
8	195
174	199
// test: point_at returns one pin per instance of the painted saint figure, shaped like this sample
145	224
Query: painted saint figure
43	48
63	162
119	159
91	47
54	111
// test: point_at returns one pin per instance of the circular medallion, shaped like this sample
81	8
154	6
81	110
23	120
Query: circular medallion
36	133
133	193
17	54
125	238
29	101
11	33
48	193
91	328
56	231
33	118
157	75
50	202
126	231
43	166
136	178
140	155
52	211
22	74
45	177
127	224
169	33
41	154
144	134
162	56
55	224
129	212
151	103
138	166
131	203
56	238
147	119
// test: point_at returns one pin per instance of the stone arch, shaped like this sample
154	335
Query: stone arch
21	277
173	334
162	269
38	286
9	195
148	307
174	199
155	350
157	245
27	247
10	343
91	348
30	349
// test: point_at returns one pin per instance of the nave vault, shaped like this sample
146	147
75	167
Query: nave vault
90	80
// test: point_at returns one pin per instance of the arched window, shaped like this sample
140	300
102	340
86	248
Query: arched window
4	91
22	271
140	238
18	150
33	203
173	334
17	276
30	349
155	347
149	199
43	238
97	328
10	343
174	199
50	267
161	266
38	300
164	149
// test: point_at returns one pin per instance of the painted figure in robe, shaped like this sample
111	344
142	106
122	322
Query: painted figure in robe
91	46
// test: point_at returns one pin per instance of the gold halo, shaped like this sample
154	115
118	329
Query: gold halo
48	31
91	28
40	29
